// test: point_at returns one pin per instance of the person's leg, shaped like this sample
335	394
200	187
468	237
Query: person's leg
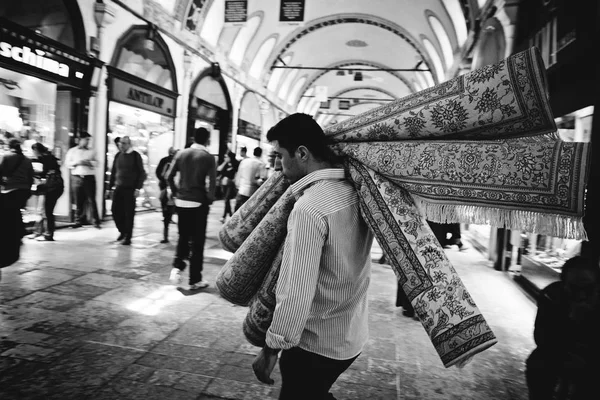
79	192
240	200
117	210
168	212
541	376
306	375
90	194
49	204
198	240
128	212
185	224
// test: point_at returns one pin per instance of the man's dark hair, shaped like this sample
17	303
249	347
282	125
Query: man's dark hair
580	263
302	130
244	149
84	135
15	144
257	152
201	135
40	148
117	140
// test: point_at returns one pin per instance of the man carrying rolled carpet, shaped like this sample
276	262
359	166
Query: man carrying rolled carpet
321	313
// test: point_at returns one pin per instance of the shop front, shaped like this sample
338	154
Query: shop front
142	96
249	130
44	87
210	108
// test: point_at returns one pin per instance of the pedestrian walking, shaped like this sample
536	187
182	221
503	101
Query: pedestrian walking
226	174
321	314
192	199
16	175
167	203
567	335
51	189
82	162
252	172
127	178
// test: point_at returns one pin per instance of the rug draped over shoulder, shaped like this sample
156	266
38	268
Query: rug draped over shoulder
481	148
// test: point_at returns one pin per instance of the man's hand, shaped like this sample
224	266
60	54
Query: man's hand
264	363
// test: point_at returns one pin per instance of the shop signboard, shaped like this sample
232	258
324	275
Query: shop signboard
248	129
291	11
27	52
236	12
141	96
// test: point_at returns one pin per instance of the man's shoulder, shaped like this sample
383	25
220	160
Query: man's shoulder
329	196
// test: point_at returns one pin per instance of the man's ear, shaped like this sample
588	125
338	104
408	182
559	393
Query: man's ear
302	152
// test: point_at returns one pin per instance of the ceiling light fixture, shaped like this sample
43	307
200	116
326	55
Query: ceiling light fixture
358	76
340	73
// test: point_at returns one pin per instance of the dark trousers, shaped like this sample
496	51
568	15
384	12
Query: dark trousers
229	195
50	199
13	202
240	199
84	188
11	223
123	210
306	375
192	228
546	377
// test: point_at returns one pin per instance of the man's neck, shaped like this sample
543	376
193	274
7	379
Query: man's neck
318	165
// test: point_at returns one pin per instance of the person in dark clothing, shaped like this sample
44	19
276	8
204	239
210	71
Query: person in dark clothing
16	174
166	200
52	189
82	162
226	172
192	199
567	335
127	178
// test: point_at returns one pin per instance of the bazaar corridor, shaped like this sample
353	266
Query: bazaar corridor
87	318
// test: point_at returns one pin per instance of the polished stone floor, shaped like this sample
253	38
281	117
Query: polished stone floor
87	318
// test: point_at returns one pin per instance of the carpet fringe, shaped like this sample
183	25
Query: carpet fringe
554	225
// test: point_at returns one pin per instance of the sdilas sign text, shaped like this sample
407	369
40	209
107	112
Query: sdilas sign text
34	58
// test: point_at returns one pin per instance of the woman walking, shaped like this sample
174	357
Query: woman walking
52	188
227	171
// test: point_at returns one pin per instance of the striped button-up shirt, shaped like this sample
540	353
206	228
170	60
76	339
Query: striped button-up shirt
325	272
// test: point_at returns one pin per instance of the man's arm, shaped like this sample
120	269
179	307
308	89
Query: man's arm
141	171
297	280
172	173
159	170
113	172
69	158
212	179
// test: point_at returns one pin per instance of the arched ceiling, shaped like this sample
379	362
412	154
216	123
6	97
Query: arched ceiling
354	35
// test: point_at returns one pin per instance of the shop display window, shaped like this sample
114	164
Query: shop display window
151	135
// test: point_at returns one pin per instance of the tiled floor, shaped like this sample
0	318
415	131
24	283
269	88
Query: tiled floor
87	318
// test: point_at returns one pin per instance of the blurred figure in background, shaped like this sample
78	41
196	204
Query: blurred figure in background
127	177
16	175
82	162
252	172
51	189
567	335
167	203
226	174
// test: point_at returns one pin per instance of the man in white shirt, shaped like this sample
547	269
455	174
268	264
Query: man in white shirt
321	312
82	162
251	173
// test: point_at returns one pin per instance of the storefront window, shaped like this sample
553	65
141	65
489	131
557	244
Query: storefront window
151	135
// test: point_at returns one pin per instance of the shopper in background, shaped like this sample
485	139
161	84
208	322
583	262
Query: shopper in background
251	173
244	152
51	189
82	162
127	178
567	335
226	174
166	199
16	175
192	199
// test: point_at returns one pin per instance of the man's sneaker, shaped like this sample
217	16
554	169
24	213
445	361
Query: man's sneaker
199	285
175	277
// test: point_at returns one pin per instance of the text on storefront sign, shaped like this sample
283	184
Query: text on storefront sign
33	57
145	98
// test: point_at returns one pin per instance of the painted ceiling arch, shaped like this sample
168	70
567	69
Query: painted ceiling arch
381	34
